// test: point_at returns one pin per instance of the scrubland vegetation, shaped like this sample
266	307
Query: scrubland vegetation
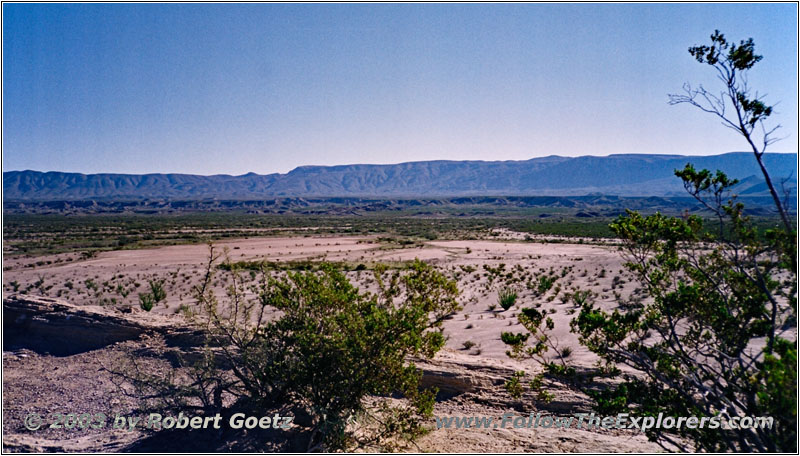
83	234
701	320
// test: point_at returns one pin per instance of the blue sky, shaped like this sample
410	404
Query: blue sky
220	88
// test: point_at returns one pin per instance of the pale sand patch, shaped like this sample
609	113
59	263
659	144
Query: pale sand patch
182	267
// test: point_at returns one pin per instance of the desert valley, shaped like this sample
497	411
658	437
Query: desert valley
399	227
470	371
74	275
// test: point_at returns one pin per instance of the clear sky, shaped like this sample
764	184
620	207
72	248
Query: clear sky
220	88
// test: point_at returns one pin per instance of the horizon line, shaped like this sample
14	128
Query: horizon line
391	164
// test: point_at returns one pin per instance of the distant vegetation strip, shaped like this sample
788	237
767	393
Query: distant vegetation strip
589	205
309	265
33	234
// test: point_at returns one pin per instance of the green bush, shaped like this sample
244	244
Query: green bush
544	284
514	385
157	291
507	297
722	296
157	294
712	296
514	339
334	346
146	301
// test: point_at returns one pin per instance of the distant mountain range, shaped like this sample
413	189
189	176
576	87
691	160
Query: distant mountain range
620	175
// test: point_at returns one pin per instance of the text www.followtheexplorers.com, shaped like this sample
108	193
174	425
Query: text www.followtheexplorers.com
591	421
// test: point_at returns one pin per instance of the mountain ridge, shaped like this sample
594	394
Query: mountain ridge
553	175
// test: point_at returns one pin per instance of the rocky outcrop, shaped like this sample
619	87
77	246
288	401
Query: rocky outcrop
453	377
58	328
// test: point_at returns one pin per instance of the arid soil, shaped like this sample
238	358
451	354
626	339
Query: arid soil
44	376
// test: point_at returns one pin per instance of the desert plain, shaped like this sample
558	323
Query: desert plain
45	374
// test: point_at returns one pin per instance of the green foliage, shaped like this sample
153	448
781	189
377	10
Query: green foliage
728	58
776	381
157	290
507	297
334	346
514	385
741	57
713	296
709	341
544	283
514	339
581	297
156	295
560	370
534	344
146	301
736	106
538	388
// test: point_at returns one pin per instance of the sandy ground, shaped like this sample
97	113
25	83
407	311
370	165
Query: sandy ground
114	276
481	267
35	383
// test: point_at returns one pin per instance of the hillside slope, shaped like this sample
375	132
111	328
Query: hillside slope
623	175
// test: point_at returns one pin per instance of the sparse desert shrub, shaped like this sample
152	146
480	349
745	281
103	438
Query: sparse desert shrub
514	384
122	291
507	297
544	283
539	326
157	290
88	254
715	291
146	301
468	269
334	345
581	297
537	386
156	295
185	310
513	339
